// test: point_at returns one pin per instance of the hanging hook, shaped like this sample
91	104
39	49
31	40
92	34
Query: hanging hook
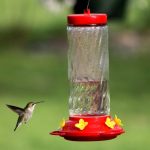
88	3
87	10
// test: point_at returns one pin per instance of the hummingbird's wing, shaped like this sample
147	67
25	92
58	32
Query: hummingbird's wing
19	122
15	109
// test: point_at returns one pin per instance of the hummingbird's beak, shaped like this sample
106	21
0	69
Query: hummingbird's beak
38	102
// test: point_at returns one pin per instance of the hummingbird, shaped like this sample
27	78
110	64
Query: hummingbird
25	113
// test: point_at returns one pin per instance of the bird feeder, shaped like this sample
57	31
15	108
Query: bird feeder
88	72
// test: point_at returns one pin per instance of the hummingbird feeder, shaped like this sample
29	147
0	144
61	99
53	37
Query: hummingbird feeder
88	72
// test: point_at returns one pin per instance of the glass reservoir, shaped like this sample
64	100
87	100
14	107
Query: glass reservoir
88	70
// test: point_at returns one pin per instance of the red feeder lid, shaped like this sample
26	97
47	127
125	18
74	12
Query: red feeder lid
87	19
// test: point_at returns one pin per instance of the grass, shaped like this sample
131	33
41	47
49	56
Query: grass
28	76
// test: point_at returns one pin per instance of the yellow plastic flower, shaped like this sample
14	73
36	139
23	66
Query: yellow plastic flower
62	124
81	125
110	123
118	121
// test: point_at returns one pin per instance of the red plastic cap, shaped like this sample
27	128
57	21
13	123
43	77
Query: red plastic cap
87	19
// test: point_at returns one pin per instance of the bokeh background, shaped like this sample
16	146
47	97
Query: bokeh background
33	67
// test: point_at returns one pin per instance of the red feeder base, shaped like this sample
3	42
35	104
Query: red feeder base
96	130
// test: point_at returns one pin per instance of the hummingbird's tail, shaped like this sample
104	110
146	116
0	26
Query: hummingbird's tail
19	122
15	128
